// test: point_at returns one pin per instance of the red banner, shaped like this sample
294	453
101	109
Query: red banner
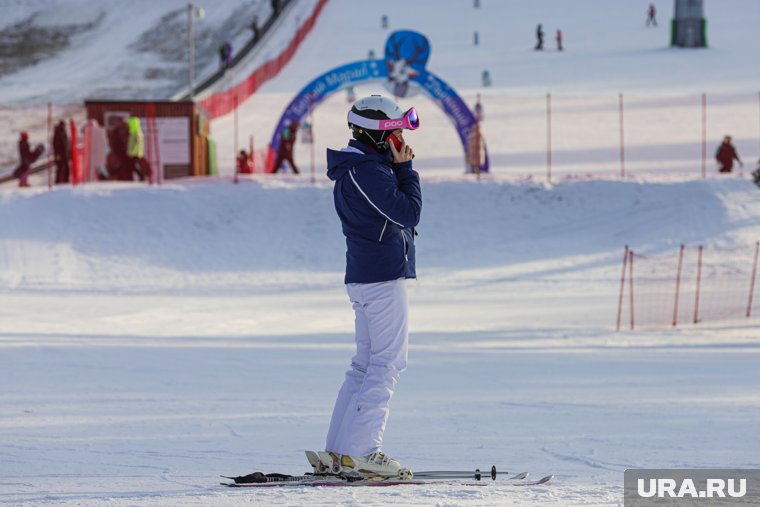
222	103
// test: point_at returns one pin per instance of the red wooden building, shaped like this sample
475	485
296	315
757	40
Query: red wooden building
176	138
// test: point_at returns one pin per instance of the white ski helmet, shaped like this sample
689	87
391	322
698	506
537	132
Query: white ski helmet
367	120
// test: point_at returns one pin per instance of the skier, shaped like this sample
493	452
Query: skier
62	153
27	157
474	150
378	200
225	55
559	40
118	163
726	154
254	26
244	163
285	150
485	78
539	38
651	15
136	149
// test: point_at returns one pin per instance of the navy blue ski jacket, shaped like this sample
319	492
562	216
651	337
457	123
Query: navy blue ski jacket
379	205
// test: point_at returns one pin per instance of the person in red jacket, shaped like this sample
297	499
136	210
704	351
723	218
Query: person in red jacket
62	153
27	157
726	155
244	163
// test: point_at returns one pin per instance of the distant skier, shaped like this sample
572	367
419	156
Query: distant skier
61	153
474	150
27	157
485	78
378	200
285	150
244	163
539	38
225	55
478	109
136	150
254	26
559	40
118	163
652	15
384	22
726	154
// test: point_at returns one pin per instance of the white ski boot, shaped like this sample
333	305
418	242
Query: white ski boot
376	464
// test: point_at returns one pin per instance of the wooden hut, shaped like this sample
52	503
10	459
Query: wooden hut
176	133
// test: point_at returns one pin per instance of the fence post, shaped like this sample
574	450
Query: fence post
235	139
548	138
622	139
311	146
250	154
699	283
630	276
678	285
704	135
752	282
622	288
50	144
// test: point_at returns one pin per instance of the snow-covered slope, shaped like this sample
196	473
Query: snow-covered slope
124	50
268	233
154	338
608	50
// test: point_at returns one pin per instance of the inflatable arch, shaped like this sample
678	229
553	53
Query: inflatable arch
402	70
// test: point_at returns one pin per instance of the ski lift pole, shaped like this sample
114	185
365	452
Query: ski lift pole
704	135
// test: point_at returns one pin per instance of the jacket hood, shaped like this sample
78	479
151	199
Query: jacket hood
340	162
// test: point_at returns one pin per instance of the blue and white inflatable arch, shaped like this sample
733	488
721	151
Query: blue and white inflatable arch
403	72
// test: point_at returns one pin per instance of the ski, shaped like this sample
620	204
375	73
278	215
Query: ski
335	481
327	471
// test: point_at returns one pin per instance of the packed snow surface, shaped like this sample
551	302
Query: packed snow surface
153	338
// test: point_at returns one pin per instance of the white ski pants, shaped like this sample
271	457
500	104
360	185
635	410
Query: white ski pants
361	410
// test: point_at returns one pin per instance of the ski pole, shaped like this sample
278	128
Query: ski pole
459	474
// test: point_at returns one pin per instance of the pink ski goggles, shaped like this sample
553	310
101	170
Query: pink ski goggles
410	120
